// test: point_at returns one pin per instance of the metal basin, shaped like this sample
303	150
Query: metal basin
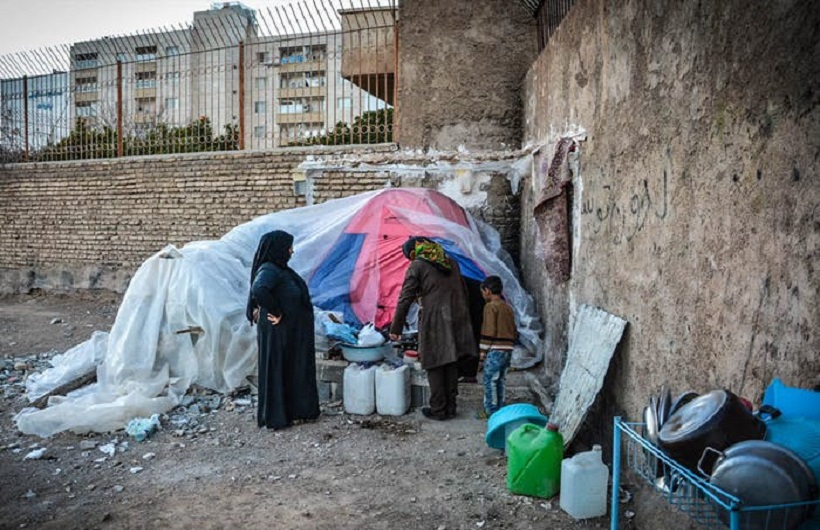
359	354
761	473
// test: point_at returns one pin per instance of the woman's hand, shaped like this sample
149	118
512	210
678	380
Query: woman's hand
274	319
256	315
394	337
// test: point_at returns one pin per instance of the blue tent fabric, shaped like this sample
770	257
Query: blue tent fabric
330	283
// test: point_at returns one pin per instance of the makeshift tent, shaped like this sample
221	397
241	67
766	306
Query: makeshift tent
361	275
182	319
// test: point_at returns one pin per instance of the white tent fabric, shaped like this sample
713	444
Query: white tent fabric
144	366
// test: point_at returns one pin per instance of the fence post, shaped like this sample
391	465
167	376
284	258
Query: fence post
396	22
25	116
119	108
241	95
616	474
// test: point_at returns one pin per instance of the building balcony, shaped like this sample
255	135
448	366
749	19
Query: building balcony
304	92
305	66
369	53
145	67
144	117
81	97
150	92
83	67
300	117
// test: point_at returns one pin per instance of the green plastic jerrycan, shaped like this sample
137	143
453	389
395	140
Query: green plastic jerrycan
534	457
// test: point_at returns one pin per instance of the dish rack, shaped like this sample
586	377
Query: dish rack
711	507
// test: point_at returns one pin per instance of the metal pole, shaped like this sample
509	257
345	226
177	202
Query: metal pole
119	108
241	95
25	114
734	518
616	472
396	23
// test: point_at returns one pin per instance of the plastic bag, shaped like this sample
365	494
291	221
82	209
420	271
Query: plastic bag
369	337
341	332
141	428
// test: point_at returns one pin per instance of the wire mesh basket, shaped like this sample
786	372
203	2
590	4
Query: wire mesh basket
708	505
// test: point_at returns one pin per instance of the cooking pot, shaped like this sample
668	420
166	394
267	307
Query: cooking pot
716	419
761	473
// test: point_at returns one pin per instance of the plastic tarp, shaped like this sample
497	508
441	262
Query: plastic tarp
182	318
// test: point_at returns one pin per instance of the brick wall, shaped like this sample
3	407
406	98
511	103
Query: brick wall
90	224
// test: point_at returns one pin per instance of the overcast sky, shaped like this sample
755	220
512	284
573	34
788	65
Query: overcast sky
28	24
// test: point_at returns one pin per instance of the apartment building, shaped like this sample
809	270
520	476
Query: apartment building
36	105
282	89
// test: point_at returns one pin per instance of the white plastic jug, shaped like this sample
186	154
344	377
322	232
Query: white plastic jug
584	480
359	394
392	390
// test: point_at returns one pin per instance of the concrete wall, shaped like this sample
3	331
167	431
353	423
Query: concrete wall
696	199
461	67
90	224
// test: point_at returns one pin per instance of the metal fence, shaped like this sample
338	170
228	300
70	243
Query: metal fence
548	14
315	72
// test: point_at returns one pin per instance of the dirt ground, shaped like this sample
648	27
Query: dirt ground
342	471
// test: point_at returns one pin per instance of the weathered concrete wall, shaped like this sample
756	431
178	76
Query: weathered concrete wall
696	203
90	224
461	67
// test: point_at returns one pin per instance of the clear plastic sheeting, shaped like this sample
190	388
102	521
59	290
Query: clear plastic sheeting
182	319
76	362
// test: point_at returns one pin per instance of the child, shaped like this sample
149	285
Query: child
497	340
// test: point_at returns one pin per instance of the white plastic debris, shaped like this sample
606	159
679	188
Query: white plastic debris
37	454
109	448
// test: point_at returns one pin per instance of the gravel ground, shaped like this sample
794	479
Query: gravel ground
209	466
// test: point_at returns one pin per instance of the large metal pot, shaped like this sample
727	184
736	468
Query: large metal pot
761	473
716	420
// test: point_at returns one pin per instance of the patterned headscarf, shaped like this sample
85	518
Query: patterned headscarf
429	251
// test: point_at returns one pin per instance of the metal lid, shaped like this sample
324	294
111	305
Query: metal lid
692	416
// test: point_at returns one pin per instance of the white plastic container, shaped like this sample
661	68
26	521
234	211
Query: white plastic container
584	479
392	390
359	394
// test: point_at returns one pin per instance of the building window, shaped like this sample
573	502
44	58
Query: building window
263	57
86	60
121	57
171	50
171	103
292	54
259	131
259	107
146	105
171	77
260	83
315	79
344	103
146	53
86	84
317	52
146	79
85	108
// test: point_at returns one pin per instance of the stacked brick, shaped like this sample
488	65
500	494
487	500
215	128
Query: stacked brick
87	224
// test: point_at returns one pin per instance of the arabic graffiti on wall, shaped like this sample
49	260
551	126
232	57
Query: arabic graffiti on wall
622	217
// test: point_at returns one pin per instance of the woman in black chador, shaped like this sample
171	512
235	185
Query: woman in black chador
280	303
